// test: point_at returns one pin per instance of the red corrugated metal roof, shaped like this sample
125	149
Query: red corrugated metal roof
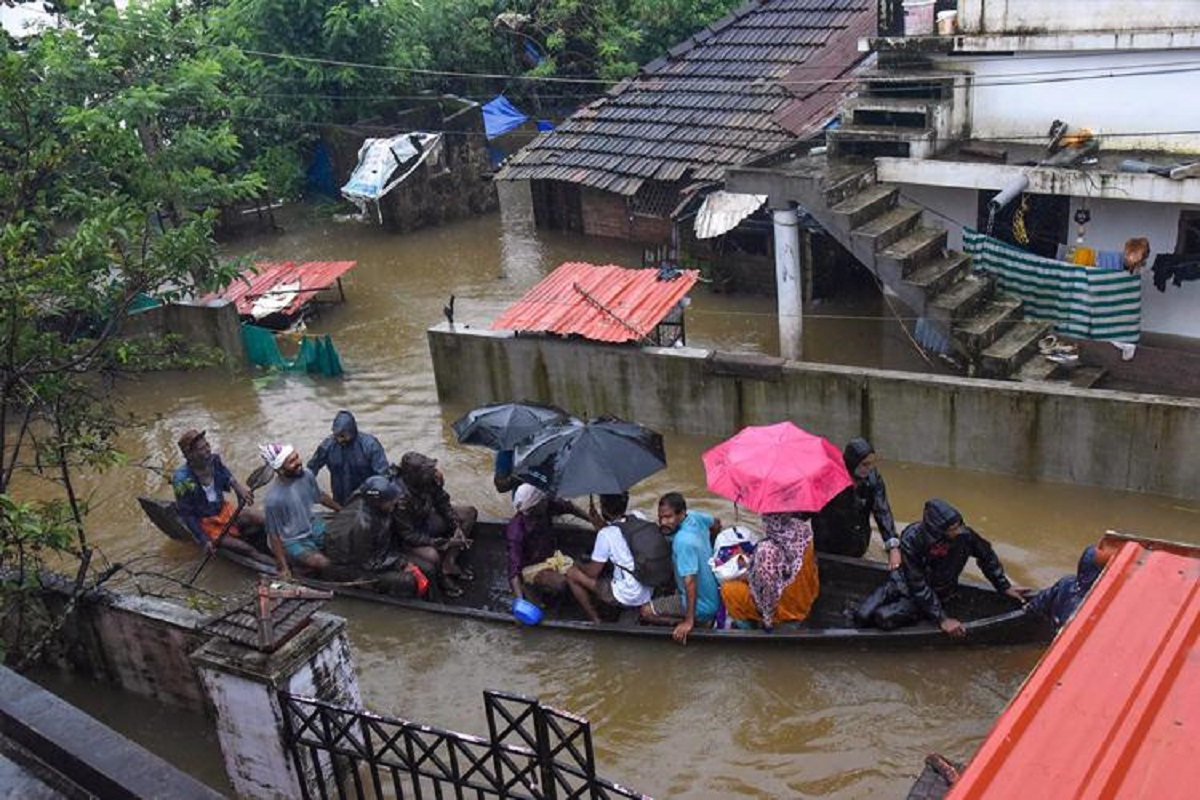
1113	708
313	276
606	304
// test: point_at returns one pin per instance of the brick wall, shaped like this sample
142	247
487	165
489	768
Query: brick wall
607	214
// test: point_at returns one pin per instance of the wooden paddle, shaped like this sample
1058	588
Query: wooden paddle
258	479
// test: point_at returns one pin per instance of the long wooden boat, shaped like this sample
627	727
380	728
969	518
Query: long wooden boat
991	618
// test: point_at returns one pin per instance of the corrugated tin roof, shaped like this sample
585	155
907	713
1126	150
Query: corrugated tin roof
1113	708
602	303
312	275
748	85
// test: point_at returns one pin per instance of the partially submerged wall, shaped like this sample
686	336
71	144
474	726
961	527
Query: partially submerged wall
1143	443
217	326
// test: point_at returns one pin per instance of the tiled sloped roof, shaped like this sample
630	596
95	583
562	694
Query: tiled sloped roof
605	304
747	85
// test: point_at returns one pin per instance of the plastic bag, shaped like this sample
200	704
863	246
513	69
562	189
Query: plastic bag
732	551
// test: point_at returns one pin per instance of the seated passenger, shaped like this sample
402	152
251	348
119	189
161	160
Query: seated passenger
351	456
1060	602
360	539
698	597
294	532
782	584
621	589
532	545
200	486
843	526
935	551
429	527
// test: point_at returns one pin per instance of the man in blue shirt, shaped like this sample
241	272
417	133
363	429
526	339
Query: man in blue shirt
699	596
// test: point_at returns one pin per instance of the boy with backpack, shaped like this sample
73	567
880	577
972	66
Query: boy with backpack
640	555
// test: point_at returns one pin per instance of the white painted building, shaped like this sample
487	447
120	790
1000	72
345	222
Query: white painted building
1126	71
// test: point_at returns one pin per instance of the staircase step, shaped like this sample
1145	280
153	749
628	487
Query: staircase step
916	250
877	141
1085	377
887	227
989	323
1001	357
1038	369
960	299
867	204
848	183
934	276
915	84
901	112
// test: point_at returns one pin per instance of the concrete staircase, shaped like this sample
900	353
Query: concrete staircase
910	114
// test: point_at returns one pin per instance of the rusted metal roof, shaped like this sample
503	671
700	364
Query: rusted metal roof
1113	708
312	276
602	303
747	85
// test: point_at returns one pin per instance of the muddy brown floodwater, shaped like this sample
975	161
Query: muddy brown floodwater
697	722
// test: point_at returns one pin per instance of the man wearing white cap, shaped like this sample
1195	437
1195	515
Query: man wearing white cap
294	532
533	554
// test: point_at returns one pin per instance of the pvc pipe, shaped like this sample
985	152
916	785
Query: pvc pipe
787	283
1009	193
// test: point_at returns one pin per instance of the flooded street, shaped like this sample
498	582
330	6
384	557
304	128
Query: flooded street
692	722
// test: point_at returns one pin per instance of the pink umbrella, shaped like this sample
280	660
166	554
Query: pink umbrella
770	468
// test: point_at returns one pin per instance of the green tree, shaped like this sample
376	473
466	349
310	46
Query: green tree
115	150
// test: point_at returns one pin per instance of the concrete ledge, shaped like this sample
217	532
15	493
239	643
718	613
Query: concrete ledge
90	754
1118	440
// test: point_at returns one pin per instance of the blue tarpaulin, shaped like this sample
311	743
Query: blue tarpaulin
501	116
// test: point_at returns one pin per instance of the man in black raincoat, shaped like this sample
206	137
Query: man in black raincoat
935	551
843	526
351	456
361	541
1059	602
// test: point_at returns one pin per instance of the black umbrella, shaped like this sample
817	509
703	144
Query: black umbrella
604	456
501	426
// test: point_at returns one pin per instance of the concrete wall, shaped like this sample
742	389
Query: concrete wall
1131	97
1142	443
1027	16
216	326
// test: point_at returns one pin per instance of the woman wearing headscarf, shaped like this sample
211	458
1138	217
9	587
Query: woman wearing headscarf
782	583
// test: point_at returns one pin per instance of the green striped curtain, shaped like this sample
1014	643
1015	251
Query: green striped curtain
1088	302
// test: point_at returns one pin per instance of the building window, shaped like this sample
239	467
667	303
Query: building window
655	199
1188	243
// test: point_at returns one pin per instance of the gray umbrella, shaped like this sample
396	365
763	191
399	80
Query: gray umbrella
501	426
604	456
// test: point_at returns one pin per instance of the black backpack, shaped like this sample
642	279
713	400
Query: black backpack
651	551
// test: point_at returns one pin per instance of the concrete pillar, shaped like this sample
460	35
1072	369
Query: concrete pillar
788	283
242	684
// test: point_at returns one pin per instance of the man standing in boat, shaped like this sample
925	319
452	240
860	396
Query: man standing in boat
351	456
200	486
843	526
294	532
935	551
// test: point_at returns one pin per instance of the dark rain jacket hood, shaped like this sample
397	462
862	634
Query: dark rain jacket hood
1059	602
349	464
856	450
938	517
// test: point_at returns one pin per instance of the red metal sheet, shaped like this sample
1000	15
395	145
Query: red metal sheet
602	303
313	276
1113	708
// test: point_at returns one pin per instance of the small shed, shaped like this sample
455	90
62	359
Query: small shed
277	294
605	304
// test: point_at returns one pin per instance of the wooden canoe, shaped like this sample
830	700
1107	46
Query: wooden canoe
991	618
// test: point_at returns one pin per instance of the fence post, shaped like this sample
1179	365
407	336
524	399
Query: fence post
545	756
243	686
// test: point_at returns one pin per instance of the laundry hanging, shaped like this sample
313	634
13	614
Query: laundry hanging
1090	303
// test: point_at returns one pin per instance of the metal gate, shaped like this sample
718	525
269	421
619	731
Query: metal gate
532	752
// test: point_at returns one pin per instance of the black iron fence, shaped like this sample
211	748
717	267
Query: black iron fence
532	752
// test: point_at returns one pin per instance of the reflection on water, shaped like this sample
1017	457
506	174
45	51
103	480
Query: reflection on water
700	721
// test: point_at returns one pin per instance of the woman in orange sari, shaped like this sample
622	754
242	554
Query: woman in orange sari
782	583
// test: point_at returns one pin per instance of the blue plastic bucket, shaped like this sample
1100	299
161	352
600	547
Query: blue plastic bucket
526	612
